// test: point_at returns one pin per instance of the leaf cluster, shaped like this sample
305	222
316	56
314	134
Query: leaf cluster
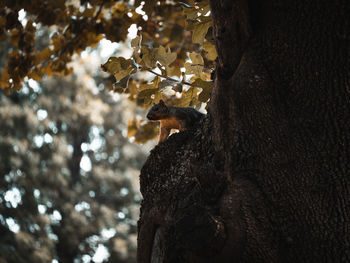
172	60
75	27
173	53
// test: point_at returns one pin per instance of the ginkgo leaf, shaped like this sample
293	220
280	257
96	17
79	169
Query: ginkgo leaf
165	57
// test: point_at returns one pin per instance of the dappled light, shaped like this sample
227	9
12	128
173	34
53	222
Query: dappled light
69	176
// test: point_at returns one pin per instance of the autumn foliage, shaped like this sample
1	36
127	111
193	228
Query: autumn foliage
172	38
173	54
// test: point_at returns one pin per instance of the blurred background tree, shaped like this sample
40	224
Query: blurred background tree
69	178
69	173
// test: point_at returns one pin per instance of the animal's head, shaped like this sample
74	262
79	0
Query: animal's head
158	111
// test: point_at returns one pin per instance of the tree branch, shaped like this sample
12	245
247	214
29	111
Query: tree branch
99	10
168	78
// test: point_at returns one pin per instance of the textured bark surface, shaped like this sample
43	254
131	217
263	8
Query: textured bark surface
265	177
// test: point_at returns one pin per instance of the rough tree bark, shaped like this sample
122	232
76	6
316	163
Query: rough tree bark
265	177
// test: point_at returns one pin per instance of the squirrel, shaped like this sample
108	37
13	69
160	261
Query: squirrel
171	117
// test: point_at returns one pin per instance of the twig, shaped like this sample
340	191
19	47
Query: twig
99	10
168	78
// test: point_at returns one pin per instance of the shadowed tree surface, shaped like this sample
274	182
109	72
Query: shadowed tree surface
265	177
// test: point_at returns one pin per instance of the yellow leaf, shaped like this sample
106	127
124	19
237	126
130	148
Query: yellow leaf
137	58
196	66
89	12
187	97
146	132
206	89
5	75
173	70
45	70
132	90
147	90
121	85
118	66
157	97
191	13
196	58
152	85
132	127
122	74
204	7
34	75
95	40
148	57
200	29
165	57
135	43
15	36
17	86
120	7
43	55
211	50
141	131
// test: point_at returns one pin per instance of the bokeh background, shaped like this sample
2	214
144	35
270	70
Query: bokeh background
69	174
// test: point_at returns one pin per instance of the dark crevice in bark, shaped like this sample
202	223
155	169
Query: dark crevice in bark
232	30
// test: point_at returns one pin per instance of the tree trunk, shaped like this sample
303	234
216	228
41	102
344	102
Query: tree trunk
265	177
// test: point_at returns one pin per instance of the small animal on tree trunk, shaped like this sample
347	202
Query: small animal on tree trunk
171	117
